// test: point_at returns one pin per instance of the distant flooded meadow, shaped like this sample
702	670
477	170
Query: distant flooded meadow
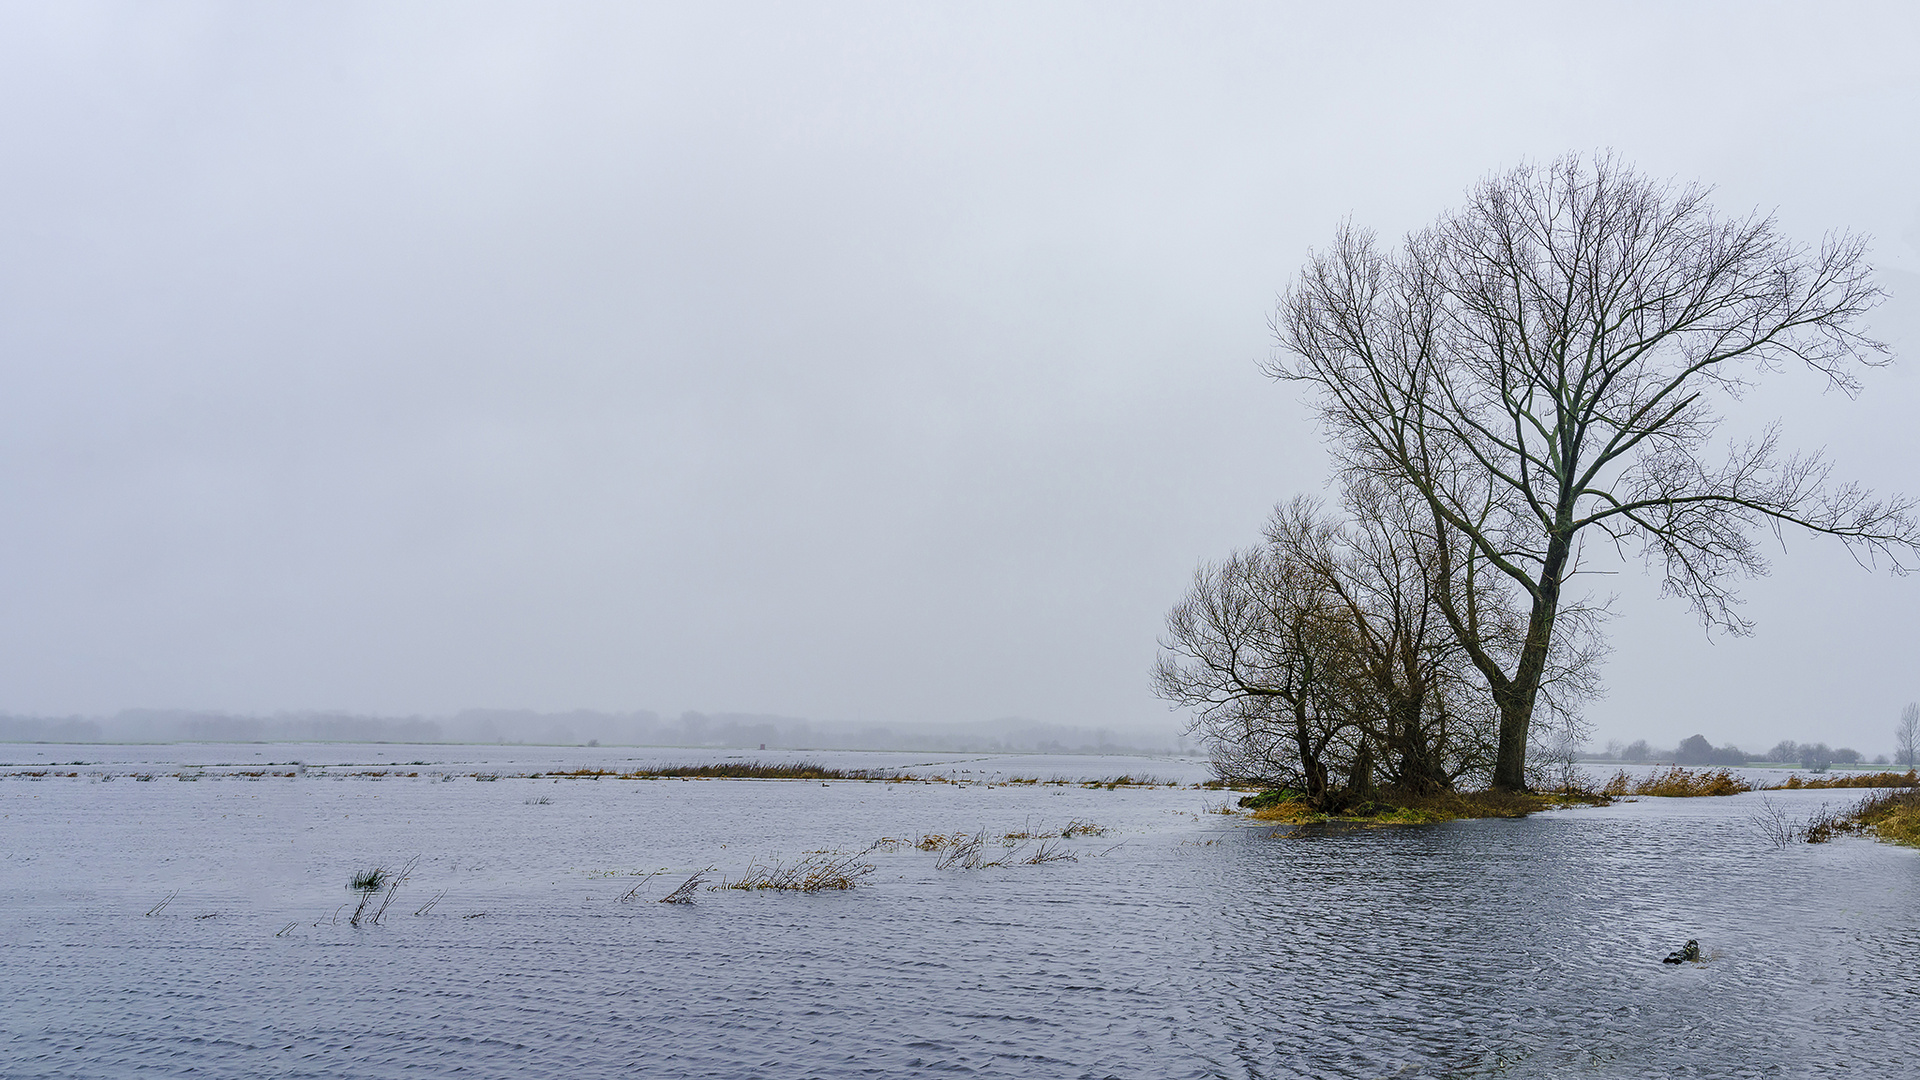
191	909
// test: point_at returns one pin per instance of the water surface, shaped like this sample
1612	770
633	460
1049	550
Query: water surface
1180	943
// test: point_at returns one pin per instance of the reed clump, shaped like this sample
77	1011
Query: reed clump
967	851
817	871
1112	782
370	883
1906	779
981	851
1892	815
1677	783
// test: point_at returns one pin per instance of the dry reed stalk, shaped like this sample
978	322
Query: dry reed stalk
399	879
683	893
963	850
634	893
1049	852
816	872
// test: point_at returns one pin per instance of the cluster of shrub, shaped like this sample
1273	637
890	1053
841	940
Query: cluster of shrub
1696	750
1323	661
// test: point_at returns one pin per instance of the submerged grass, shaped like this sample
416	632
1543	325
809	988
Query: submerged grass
982	851
749	770
715	770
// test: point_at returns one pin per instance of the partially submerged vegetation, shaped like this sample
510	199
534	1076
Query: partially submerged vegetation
1892	815
808	770
1906	779
817	871
983	850
741	770
710	770
1677	783
370	883
832	871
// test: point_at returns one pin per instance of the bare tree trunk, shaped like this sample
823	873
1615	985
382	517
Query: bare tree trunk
1312	767
1360	777
1517	696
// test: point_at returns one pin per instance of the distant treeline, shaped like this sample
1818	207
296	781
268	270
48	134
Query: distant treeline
581	726
1696	750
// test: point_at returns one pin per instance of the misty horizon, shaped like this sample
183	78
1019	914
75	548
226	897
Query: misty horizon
581	727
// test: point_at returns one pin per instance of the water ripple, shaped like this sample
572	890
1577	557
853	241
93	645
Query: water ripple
1508	948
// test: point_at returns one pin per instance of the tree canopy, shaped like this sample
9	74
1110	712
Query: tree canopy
1548	363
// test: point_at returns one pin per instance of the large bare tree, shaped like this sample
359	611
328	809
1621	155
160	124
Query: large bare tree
1548	362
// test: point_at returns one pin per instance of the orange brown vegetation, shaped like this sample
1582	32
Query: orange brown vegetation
1677	783
1892	815
1858	780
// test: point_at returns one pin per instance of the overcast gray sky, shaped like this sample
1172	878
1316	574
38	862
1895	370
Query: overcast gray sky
880	362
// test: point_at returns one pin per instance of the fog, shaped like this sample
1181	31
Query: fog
868	365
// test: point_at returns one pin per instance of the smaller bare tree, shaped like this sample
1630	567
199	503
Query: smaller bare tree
1254	649
1907	736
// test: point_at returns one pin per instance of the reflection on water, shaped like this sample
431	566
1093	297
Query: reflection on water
1180	943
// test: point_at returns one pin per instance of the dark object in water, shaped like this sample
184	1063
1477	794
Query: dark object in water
1690	954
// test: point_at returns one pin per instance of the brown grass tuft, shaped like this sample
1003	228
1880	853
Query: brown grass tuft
1893	816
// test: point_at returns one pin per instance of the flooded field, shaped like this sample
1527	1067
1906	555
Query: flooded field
197	922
